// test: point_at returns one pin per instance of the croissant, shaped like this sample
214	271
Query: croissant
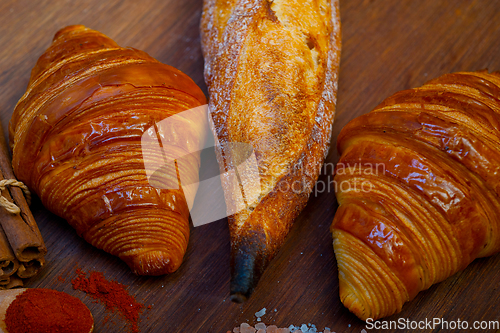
417	187
76	139
271	68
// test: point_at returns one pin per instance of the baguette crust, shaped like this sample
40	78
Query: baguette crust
271	68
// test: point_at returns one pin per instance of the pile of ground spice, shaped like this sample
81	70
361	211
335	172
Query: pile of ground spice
45	310
111	293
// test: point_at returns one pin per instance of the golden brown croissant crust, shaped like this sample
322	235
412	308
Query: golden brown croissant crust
418	191
271	68
76	139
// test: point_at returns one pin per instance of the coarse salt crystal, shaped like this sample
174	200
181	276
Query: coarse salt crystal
260	313
248	329
283	330
260	326
272	329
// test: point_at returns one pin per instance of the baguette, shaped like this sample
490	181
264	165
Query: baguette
271	68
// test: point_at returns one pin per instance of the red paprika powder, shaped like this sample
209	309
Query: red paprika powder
45	310
113	294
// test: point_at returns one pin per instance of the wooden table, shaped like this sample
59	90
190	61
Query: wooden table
387	46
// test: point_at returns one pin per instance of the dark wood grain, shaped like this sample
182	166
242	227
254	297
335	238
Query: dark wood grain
388	46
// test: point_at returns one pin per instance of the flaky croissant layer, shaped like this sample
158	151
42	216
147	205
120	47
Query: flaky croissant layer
76	139
418	191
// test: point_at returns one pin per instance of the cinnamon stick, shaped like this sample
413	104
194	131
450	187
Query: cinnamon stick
4	281
21	229
8	267
8	262
12	282
30	268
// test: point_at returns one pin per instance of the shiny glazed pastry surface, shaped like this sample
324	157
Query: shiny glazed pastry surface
417	186
271	68
76	139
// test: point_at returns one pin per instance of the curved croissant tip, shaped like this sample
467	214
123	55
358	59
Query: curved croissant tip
152	263
354	305
69	29
238	298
